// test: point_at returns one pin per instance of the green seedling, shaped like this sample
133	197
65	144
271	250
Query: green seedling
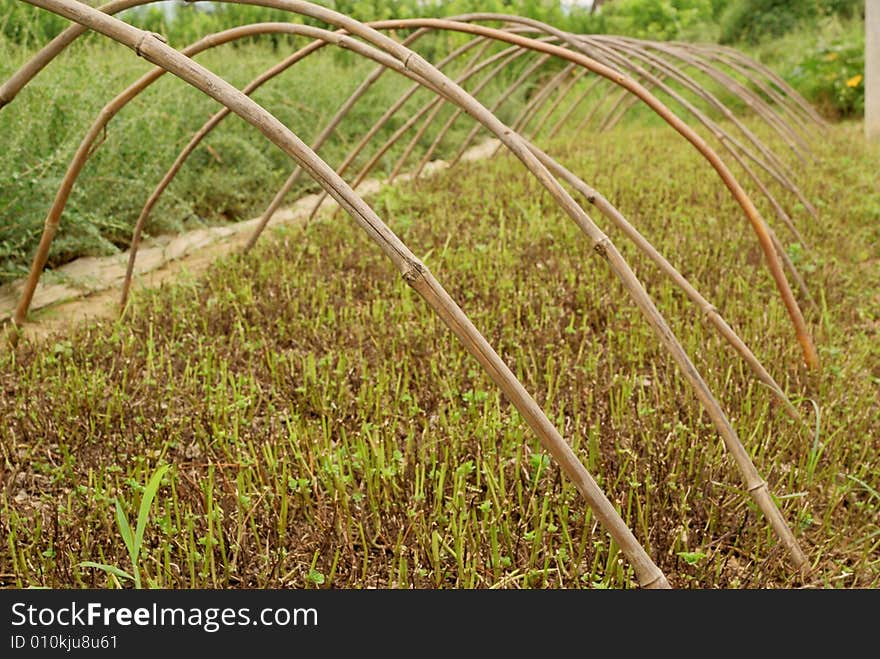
133	543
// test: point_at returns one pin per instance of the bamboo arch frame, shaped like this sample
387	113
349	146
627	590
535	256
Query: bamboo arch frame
88	142
409	63
768	245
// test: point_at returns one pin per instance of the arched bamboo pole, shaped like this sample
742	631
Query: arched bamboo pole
755	485
413	271
95	131
613	214
702	304
759	226
417	66
737	150
757	222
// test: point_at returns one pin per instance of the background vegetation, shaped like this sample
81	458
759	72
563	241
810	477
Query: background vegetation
816	44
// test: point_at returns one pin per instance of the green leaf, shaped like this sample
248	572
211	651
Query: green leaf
692	557
112	569
144	512
124	528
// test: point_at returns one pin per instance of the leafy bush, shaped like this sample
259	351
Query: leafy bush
754	20
656	19
831	76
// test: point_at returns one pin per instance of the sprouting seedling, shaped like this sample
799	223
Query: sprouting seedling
133	543
691	557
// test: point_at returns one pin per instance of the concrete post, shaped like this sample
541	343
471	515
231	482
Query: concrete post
872	69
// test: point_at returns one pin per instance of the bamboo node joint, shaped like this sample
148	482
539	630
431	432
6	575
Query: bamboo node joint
601	246
414	272
760	484
144	36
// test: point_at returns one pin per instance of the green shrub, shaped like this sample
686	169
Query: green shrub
752	21
656	19
831	76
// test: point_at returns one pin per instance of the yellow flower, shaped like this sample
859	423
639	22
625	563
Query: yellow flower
830	57
854	81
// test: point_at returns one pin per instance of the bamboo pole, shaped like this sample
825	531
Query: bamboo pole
759	226
87	144
414	64
778	166
413	271
757	222
417	66
708	310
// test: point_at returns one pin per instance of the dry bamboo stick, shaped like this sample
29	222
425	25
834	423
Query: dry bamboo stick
416	66
776	169
757	222
414	272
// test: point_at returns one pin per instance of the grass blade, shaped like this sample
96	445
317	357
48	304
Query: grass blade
112	569
144	511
